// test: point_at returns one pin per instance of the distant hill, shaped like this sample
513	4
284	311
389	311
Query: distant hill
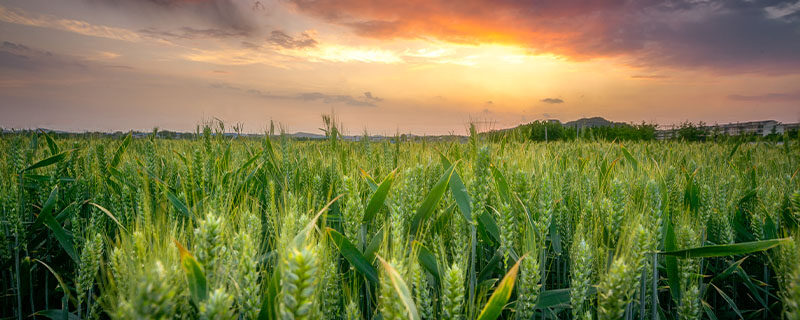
592	122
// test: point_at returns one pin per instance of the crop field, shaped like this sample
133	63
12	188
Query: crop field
226	227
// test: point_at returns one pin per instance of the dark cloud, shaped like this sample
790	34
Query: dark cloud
280	38
328	98
120	67
21	57
768	97
552	100
649	76
228	15
192	33
722	35
368	100
250	45
368	95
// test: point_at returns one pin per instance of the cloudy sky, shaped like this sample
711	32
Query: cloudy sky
427	67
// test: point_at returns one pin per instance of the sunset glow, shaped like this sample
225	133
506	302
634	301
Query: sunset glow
426	67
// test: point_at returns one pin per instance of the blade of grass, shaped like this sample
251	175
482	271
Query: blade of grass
401	289
459	191
47	161
198	287
501	294
725	250
353	256
376	201
108	213
431	200
120	150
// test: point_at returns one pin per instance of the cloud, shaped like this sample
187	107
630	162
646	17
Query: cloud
281	39
228	15
368	100
327	98
368	95
17	56
768	97
782	10
190	33
22	17
725	36
552	100
649	76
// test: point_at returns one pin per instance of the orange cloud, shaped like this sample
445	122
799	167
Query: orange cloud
547	27
729	36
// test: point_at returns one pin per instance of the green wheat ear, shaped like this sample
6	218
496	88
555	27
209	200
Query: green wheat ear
298	283
353	312
217	306
248	296
581	280
89	265
791	296
453	293
529	286
614	291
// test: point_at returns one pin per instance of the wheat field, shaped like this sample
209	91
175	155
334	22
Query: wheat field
226	227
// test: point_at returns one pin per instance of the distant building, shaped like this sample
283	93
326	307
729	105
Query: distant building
787	127
760	128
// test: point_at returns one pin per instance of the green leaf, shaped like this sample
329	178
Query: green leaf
490	266
178	204
108	213
729	301
51	144
499	298
301	236
47	208
62	236
502	184
370	181
463	200
725	250
373	246
58	278
728	271
428	261
120	150
378	198
630	158
270	300
431	200
401	289
708	309
57	314
556	298
487	223
353	256
47	161
748	282
194	274
459	191
733	151
671	262
249	162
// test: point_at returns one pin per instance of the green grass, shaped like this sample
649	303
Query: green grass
220	227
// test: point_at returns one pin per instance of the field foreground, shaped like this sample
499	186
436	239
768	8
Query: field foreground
218	227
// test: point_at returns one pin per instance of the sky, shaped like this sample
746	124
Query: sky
424	67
